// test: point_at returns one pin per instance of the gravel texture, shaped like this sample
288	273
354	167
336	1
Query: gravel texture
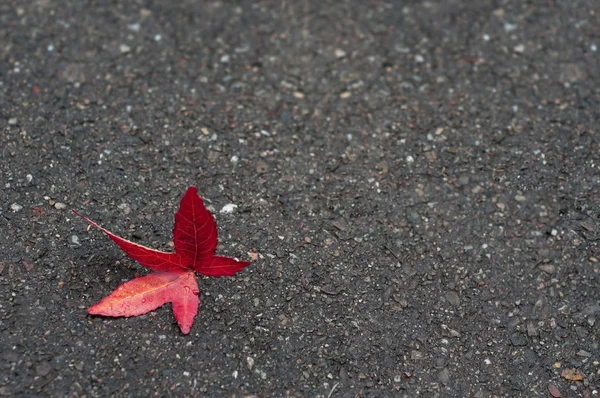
417	179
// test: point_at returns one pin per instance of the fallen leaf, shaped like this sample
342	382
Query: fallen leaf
195	238
572	374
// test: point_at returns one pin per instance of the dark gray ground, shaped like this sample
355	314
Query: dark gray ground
420	180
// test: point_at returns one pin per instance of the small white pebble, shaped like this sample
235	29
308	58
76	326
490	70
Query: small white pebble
554	232
75	239
224	59
186	373
410	159
486	37
157	37
250	362
509	27
29	177
134	27
60	206
520	48
13	121
419	59
235	374
15	207
339	53
228	208
234	159
593	48
50	48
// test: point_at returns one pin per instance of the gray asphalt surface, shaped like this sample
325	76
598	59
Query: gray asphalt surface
418	179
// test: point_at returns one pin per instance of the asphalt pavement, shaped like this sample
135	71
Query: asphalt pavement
416	183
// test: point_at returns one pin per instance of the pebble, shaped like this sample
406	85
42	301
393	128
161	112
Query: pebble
43	368
431	156
124	207
532	330
73	73
410	159
228	208
262	166
29	178
518	340
234	159
250	362
583	353
124	48
75	239
339	53
15	207
13	121
134	27
444	376
572	73
553	390
548	268
414	216
520	48
453	298
60	206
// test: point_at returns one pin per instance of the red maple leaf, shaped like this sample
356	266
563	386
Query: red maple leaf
195	238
